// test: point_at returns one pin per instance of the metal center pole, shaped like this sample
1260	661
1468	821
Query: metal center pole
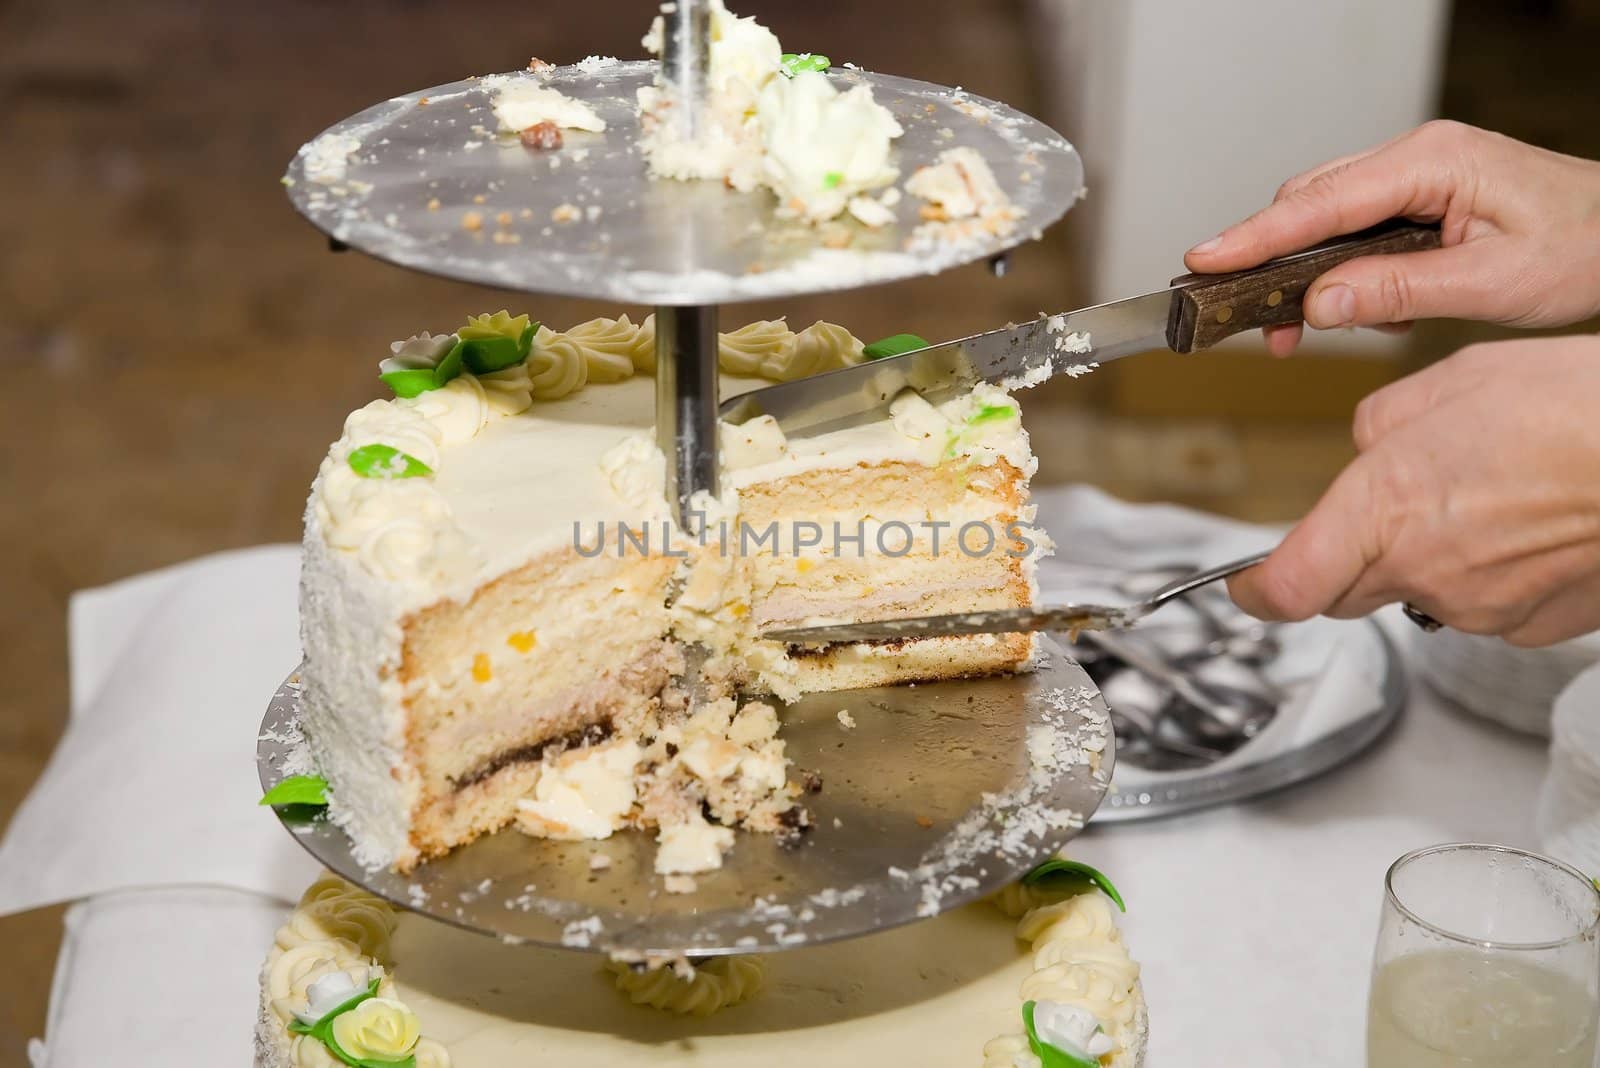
686	338
686	403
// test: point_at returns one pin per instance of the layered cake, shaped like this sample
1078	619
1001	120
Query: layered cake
952	990
495	597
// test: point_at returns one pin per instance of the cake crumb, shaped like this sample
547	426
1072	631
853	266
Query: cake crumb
846	720
599	862
504	218
472	220
544	136
539	66
478	198
924	822
565	213
680	884
433	203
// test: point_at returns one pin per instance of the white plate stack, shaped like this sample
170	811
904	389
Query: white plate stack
1489	678
1569	803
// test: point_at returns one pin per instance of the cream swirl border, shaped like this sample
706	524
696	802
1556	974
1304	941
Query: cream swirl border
335	927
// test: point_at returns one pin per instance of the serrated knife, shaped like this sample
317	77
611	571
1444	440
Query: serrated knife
1194	312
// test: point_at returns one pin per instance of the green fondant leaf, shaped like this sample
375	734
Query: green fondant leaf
386	461
1069	872
832	179
410	383
322	1031
450	366
298	790
793	63
1050	1056
893	346
485	351
337	1050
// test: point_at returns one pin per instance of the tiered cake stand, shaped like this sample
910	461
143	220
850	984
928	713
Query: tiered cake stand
933	799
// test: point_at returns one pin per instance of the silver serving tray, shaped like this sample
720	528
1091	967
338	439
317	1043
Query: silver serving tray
1157	794
929	802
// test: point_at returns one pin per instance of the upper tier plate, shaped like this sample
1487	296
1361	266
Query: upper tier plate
412	172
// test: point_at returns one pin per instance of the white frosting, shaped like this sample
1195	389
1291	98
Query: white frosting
823	147
586	794
691	846
522	100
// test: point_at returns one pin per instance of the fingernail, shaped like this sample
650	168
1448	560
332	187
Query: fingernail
1335	306
1207	246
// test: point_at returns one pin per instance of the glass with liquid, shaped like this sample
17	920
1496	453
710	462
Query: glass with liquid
1487	955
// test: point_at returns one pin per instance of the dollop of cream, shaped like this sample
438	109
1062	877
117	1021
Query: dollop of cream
714	985
556	366
691	846
508	391
823	147
608	347
820	347
585	794
636	470
1079	960
457	411
752	443
763	344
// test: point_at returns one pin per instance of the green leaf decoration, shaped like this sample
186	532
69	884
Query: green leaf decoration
832	179
992	413
1050	1056
449	367
386	461
894	345
793	63
492	343
322	1031
1070	872
409	383
298	790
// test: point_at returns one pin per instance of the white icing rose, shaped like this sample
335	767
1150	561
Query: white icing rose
297	968
378	1029
420	352
327	992
556	367
823	147
1071	1029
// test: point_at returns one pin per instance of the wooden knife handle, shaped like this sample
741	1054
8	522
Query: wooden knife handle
1206	308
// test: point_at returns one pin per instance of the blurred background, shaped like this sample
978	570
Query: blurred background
181	348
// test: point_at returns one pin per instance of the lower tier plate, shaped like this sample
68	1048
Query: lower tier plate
939	794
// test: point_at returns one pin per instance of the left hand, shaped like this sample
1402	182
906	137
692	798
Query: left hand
1475	497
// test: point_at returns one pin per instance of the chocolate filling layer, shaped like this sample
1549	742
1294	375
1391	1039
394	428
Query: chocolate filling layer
593	734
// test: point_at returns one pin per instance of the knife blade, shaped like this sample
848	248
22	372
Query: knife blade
1194	312
1070	618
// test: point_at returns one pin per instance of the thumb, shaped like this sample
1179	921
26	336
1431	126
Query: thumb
1461	282
1321	561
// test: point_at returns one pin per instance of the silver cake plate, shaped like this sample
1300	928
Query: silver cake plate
413	171
941	793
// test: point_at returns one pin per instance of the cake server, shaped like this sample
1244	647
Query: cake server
1072	617
1194	312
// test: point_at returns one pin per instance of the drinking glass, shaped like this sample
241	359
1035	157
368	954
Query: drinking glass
1487	955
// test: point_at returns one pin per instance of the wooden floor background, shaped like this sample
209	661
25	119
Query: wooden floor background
178	349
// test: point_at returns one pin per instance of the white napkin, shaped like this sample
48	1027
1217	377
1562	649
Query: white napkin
1334	668
154	782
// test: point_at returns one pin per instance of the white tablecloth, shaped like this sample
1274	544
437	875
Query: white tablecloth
1254	923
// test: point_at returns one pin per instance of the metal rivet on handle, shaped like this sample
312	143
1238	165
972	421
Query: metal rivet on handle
1275	298
1224	313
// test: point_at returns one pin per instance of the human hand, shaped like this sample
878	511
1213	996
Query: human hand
1520	228
1475	497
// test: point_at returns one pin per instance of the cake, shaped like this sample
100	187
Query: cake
495	599
950	990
